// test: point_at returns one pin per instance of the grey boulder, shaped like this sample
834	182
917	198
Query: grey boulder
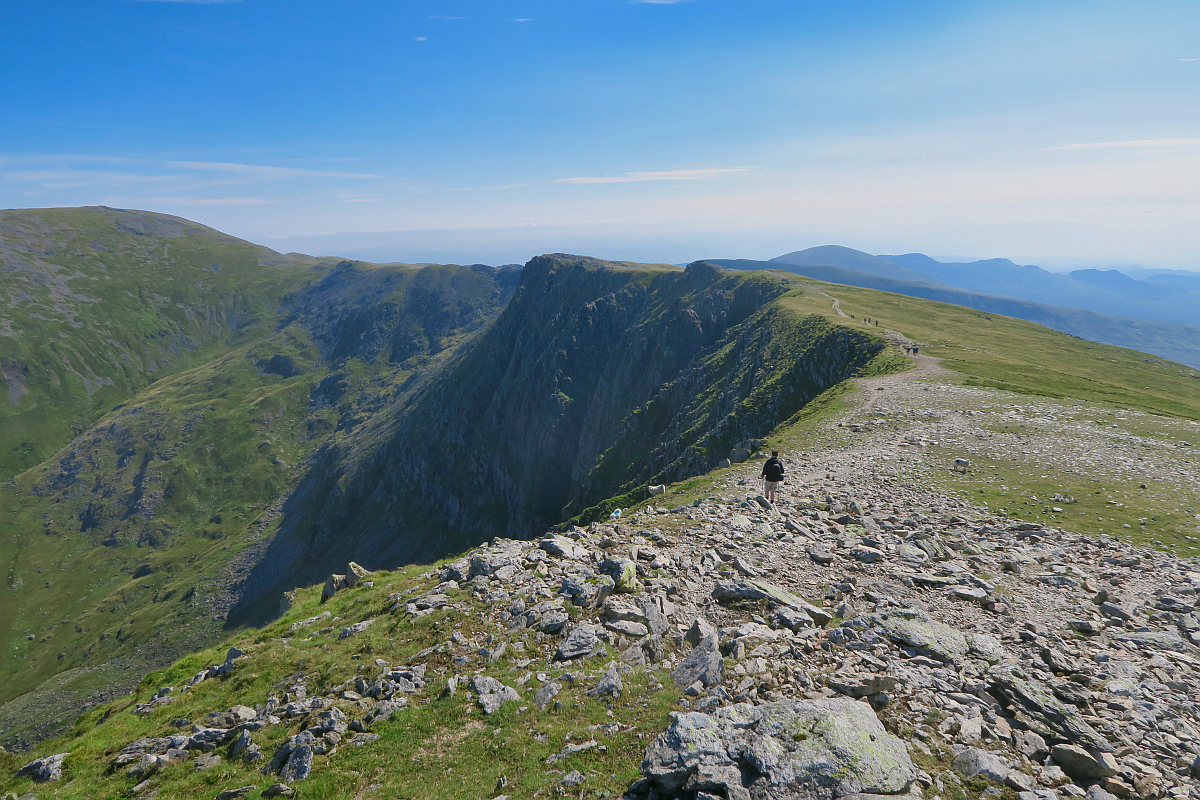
579	642
787	750
703	664
973	762
43	770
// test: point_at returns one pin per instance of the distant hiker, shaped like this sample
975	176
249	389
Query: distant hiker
772	473
916	350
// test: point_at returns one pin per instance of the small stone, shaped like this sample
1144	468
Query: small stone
278	790
234	794
701	629
572	779
973	762
609	685
546	694
356	628
206	760
867	555
1082	765
703	664
579	642
626	628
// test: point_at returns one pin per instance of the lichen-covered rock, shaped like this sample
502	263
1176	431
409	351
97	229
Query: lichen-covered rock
588	591
624	572
355	573
333	584
787	750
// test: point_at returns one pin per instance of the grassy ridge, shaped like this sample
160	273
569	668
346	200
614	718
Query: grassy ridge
1012	354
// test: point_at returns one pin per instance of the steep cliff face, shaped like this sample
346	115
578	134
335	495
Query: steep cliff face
596	378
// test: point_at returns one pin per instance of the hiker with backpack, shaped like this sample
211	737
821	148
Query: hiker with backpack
772	473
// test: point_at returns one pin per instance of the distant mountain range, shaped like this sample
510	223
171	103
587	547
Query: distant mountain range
1167	336
1169	297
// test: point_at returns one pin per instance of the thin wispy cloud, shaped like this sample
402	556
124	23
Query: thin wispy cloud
524	19
489	188
75	178
421	39
152	202
447	19
671	175
1189	59
1128	143
261	171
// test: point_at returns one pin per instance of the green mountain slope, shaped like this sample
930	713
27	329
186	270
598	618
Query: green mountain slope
99	303
391	414
122	552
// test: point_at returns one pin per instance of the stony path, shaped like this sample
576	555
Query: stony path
902	433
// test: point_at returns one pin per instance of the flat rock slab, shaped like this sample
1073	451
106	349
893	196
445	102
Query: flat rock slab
1034	704
787	750
753	589
1158	640
915	630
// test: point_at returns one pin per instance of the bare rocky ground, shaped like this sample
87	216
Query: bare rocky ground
868	634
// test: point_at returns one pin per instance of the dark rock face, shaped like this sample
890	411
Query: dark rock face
595	380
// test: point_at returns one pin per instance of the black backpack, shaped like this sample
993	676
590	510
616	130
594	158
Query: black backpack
773	470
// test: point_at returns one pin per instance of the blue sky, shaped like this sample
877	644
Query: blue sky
493	131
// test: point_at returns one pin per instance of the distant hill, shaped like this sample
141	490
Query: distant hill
1186	282
832	255
1171	340
1106	291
